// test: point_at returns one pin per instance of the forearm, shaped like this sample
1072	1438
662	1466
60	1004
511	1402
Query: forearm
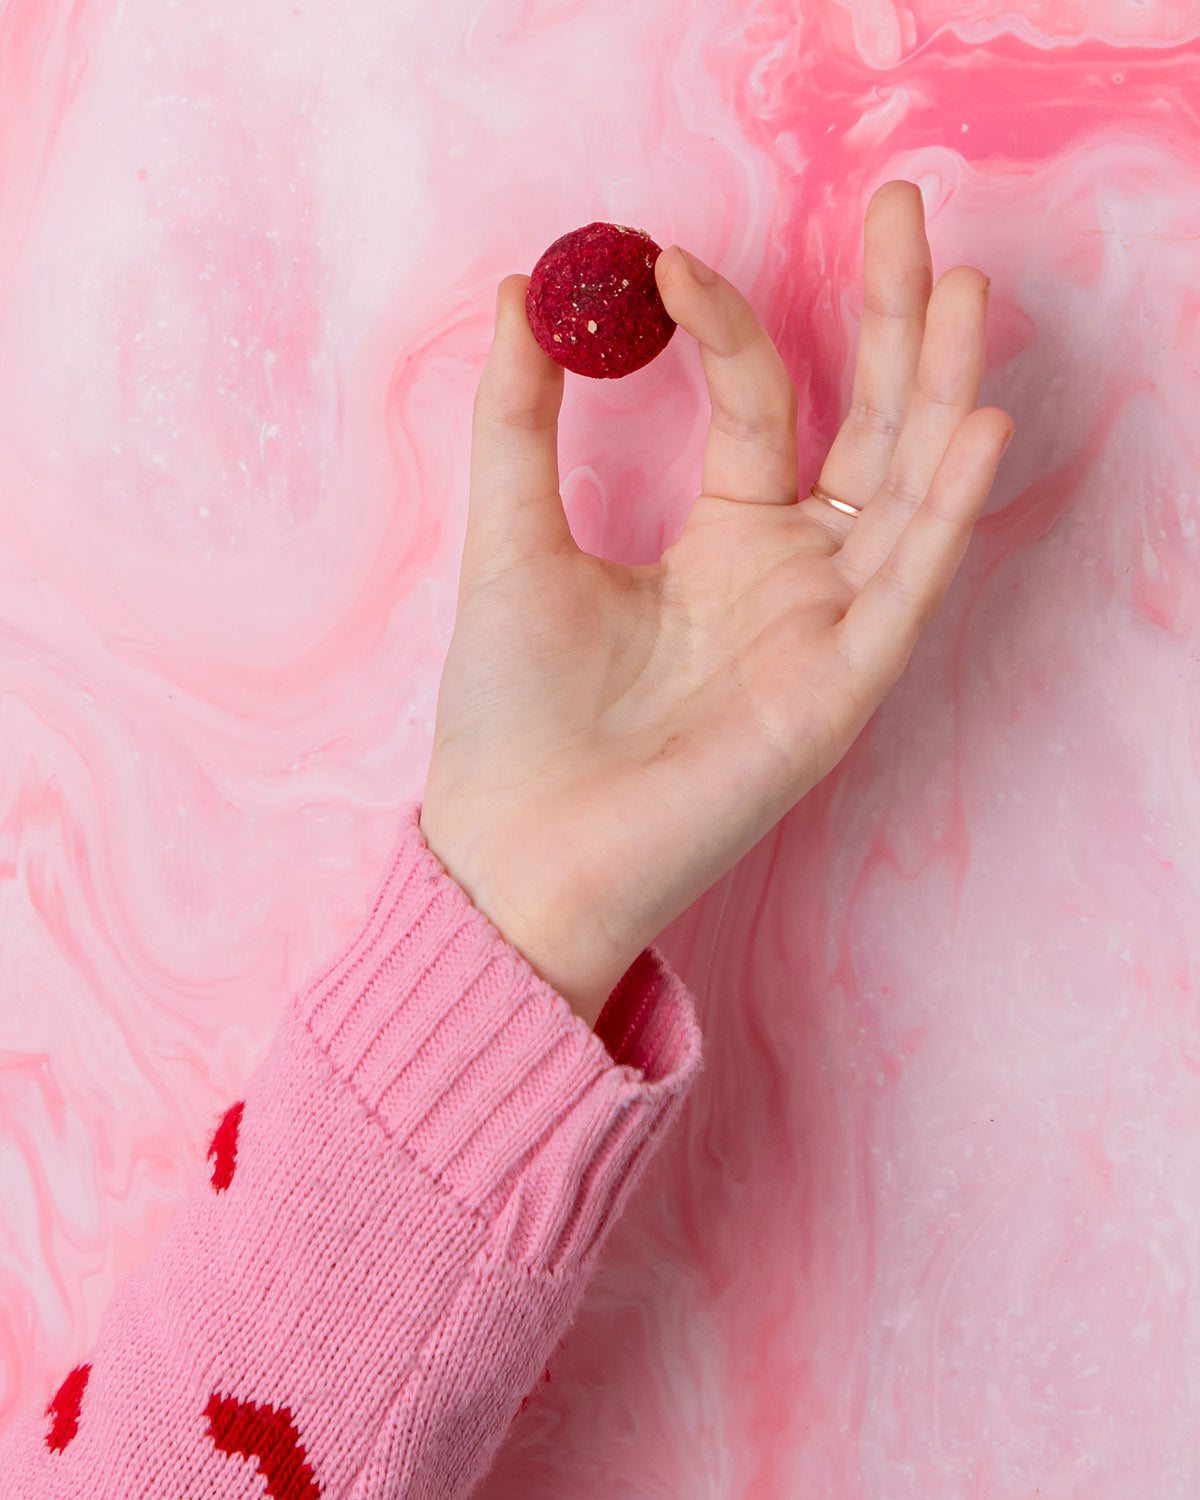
399	1221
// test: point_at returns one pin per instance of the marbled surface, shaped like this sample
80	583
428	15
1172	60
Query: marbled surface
930	1229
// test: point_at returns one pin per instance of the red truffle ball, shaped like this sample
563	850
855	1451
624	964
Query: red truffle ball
593	302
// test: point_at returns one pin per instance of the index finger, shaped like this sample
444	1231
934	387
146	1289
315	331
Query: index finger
751	453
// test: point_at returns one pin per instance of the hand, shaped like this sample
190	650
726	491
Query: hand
611	740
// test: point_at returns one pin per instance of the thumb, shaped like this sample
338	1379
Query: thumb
515	507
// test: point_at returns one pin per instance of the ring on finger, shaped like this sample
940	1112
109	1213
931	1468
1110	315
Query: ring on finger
843	505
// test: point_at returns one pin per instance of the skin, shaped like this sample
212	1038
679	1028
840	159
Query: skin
611	740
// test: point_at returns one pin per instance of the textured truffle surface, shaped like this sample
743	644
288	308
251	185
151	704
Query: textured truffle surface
593	303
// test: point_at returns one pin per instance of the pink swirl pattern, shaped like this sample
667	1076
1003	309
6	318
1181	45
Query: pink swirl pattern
928	1228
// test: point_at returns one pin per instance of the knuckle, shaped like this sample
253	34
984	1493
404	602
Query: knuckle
940	512
935	396
902	591
874	420
899	486
514	416
879	309
742	427
498	404
751	424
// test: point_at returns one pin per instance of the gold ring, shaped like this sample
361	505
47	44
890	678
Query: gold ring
843	505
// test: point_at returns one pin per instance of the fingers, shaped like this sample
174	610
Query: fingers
949	374
751	453
515	507
897	279
877	634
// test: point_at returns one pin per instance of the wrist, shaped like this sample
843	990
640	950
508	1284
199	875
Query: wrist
562	941
584	989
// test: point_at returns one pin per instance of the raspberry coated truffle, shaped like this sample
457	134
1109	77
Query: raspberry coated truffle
593	302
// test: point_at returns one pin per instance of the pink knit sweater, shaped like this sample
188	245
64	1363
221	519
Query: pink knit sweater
393	1232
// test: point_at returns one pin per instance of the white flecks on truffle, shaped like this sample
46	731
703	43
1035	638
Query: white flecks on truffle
558	338
592	325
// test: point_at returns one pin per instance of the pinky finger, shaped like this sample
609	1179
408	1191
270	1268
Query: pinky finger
877	634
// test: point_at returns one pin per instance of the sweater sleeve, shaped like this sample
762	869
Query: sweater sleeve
392	1231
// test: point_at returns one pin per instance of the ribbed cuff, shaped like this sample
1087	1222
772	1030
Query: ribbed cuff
480	1071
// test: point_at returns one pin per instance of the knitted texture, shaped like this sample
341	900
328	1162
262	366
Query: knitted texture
396	1226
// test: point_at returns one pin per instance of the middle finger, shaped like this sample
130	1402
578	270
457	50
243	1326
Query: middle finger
897	279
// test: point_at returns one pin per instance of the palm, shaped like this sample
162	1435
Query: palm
635	705
704	690
625	734
750	599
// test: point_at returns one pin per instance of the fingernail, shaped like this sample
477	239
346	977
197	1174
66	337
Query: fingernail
987	286
699	270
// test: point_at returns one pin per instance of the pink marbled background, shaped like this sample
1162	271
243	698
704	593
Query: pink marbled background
931	1227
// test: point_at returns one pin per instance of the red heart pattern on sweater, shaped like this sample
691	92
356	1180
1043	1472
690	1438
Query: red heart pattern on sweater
261	1432
64	1408
223	1148
268	1435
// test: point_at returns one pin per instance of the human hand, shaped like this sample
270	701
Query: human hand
610	740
